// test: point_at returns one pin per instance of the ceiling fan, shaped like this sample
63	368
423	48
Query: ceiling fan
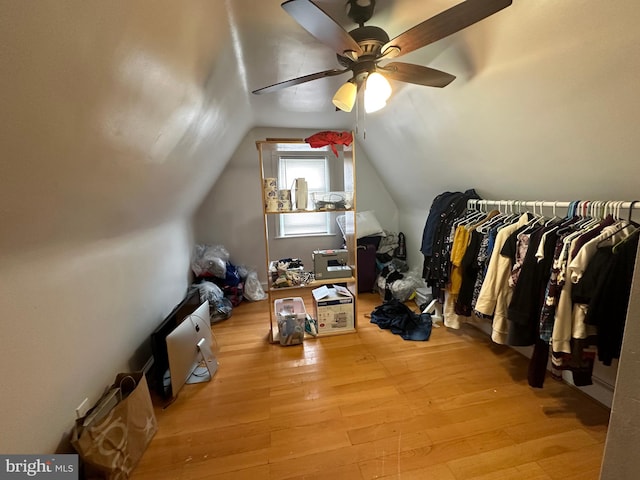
363	50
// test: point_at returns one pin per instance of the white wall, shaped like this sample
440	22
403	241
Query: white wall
231	215
372	191
116	119
623	436
73	318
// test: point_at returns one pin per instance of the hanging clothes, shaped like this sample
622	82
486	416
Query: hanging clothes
572	341
569	321
560	285
459	243
495	293
436	240
526	281
613	266
484	255
470	269
463	235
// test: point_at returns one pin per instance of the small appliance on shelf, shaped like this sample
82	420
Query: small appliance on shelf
331	264
332	200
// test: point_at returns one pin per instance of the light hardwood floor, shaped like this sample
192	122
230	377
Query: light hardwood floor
371	405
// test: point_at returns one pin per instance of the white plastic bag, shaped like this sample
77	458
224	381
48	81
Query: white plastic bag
403	288
210	292
210	261
253	290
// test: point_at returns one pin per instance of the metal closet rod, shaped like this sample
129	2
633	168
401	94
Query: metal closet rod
597	208
545	203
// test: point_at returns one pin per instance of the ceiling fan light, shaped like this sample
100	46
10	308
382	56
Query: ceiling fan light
378	86
373	104
345	97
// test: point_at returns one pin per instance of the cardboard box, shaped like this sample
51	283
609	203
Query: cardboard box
333	308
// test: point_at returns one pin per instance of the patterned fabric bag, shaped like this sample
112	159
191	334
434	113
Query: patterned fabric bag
112	446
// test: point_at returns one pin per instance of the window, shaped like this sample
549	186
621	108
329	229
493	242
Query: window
314	169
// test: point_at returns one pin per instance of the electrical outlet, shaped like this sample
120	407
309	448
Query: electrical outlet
82	409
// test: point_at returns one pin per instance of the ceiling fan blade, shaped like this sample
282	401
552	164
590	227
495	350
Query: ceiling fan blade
445	23
410	73
314	20
297	81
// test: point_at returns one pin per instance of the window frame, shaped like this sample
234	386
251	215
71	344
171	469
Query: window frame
281	226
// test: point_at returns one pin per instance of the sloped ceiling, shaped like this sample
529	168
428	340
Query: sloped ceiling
121	115
117	116
543	107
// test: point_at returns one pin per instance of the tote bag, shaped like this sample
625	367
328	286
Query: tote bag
111	447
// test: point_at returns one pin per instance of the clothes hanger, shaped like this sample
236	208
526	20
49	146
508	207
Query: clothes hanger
476	215
630	213
555	217
488	216
617	246
583	209
474	212
620	224
607	213
591	219
569	219
485	227
600	210
553	224
485	216
513	215
533	223
576	228
573	216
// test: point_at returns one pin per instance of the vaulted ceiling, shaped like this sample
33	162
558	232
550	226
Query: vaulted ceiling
121	115
544	94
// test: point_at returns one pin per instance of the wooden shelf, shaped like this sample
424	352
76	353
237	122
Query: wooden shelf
342	177
335	210
315	284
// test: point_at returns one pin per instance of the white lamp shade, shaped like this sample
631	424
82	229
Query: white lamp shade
345	97
372	104
379	86
376	93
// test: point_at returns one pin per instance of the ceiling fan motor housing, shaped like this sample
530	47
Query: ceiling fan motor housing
371	39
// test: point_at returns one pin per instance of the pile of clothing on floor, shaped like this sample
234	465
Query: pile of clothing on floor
224	284
394	279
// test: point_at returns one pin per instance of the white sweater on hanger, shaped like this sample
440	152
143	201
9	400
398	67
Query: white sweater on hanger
495	293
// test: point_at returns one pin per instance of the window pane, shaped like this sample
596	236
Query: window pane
304	224
314	169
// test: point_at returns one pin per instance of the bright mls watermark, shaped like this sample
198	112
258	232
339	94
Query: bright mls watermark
52	467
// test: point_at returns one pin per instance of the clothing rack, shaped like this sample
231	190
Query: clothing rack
598	208
619	210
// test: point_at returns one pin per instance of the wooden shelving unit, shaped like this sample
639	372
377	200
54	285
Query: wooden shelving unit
344	162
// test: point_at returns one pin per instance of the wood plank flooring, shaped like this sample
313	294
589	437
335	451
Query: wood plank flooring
371	405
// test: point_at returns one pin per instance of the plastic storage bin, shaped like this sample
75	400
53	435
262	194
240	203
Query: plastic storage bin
291	315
